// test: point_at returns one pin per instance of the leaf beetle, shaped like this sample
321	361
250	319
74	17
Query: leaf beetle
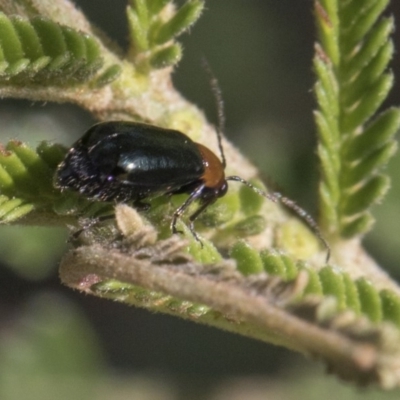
128	162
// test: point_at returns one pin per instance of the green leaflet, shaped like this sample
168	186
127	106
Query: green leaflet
166	56
42	51
12	209
351	64
26	179
154	27
358	295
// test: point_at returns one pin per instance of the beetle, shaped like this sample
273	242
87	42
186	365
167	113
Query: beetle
125	162
129	162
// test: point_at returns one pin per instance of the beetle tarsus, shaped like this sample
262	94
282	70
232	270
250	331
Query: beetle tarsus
195	234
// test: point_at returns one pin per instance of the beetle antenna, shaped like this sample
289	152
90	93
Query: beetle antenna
219	103
277	197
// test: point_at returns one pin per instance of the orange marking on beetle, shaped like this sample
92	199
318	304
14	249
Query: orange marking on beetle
214	173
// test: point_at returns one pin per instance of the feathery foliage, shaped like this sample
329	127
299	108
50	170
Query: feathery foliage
351	64
154	26
42	51
357	295
26	179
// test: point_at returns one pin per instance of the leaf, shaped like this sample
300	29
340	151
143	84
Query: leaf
42	51
138	32
376	133
13	209
370	192
166	57
248	260
338	327
107	76
351	64
180	22
26	184
153	29
370	300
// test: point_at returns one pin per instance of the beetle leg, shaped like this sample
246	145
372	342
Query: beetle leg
179	211
193	217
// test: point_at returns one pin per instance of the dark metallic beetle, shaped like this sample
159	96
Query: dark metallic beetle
129	162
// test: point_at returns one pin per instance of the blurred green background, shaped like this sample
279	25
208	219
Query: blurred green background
55	343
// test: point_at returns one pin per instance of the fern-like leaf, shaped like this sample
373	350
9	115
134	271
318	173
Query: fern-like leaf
324	313
154	26
26	179
12	209
355	144
358	295
42	51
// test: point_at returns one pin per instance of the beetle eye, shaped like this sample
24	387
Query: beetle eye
223	189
